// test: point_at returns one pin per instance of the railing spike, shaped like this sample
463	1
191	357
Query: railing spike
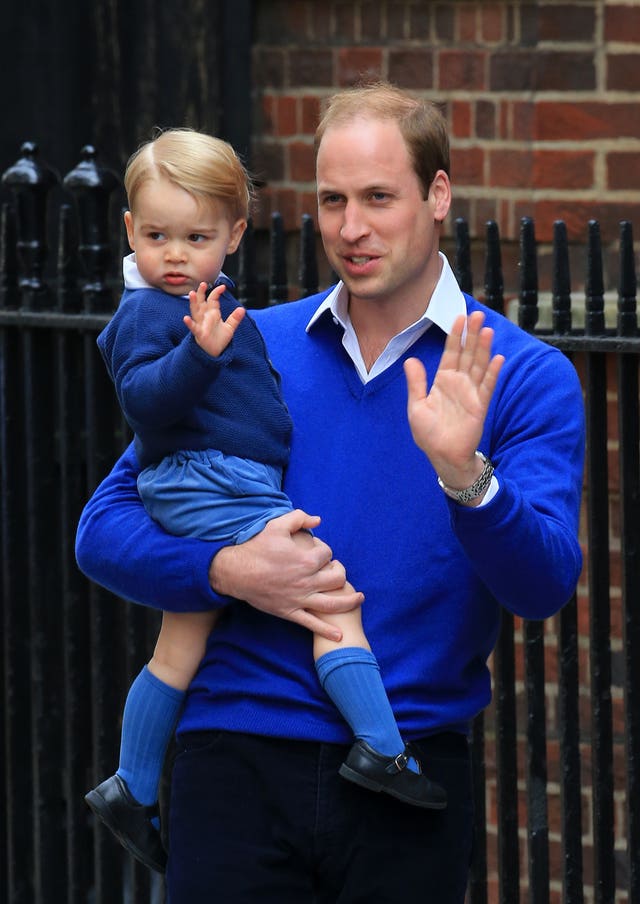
627	283
561	280
92	185
493	280
528	295
594	285
278	283
308	272
462	263
30	181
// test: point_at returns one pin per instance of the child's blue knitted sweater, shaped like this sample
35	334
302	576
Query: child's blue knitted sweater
176	396
434	573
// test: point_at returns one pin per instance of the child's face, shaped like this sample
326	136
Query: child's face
179	242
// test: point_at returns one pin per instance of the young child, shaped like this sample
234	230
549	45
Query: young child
212	434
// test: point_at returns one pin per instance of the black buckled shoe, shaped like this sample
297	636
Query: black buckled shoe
390	775
129	821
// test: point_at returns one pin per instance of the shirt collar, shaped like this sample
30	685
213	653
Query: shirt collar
446	303
133	279
131	274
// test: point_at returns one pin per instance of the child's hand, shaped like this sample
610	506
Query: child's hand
211	332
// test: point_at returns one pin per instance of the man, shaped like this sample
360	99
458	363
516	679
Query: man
468	504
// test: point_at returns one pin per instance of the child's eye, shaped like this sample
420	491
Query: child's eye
197	237
156	236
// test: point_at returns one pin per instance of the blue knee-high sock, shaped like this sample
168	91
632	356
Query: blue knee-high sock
351	677
150	714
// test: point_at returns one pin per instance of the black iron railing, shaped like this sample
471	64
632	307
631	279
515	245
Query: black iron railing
69	649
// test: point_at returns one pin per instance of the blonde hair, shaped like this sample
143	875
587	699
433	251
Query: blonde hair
206	167
421	123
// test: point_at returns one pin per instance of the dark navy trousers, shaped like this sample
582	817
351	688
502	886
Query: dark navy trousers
256	820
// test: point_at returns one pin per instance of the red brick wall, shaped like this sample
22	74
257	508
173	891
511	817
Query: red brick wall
542	101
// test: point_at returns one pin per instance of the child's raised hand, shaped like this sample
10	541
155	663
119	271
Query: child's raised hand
211	332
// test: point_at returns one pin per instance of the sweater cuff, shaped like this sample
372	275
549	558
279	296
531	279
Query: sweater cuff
202	588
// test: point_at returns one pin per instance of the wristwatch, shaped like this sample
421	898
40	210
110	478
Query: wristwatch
477	488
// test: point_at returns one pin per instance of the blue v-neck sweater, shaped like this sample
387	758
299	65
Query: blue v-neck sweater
434	573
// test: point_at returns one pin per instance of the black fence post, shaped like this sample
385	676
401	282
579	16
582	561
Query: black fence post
73	610
493	280
568	676
629	445
506	763
478	873
599	579
30	181
308	270
91	187
278	282
462	262
561	295
68	295
536	761
528	294
16	873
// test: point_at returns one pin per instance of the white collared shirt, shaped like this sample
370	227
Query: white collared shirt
447	303
131	274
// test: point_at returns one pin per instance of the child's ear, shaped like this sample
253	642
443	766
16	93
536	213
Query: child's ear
128	222
237	231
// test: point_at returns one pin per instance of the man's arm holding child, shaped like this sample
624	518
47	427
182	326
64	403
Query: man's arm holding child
121	548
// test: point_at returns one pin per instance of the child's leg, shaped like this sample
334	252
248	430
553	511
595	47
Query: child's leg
126	802
155	700
180	646
349	673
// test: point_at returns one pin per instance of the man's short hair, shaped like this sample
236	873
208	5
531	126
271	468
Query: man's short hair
421	123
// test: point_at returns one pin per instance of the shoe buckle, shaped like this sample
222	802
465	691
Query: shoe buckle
400	761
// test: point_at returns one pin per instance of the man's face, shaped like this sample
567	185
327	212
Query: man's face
378	230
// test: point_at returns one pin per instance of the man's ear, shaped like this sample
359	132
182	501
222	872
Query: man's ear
128	222
440	195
